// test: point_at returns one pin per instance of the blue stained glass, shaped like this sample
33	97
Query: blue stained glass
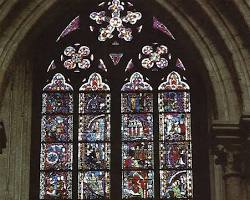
94	128
136	83
94	185
55	185
57	128
57	103
137	102
138	184
94	103
56	156
137	126
94	156
137	155
175	155
175	126
176	184
174	102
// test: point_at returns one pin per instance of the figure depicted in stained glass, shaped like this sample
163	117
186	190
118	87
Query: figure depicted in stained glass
94	128
116	21
94	102
174	82
57	103
138	184
94	156
56	156
174	102
137	126
175	155
175	126
136	83
94	185
137	155
55	185
58	83
57	128
137	102
176	184
95	84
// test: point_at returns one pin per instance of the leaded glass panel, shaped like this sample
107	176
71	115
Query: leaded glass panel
57	128
94	156
176	184
55	185
94	185
138	184
56	156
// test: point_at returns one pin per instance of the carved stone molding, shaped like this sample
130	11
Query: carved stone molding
3	138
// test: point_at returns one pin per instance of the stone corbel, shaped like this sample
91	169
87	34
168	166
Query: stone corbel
3	139
230	159
227	147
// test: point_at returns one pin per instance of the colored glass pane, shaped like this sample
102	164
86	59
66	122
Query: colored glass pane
55	185
116	22
57	128
137	102
94	128
175	155
57	103
94	185
175	126
94	84
56	156
137	126
174	102
58	83
138	184
94	156
176	184
174	82
137	155
136	83
94	103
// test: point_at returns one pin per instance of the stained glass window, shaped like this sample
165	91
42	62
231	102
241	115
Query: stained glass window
94	139
175	138
137	139
146	126
56	154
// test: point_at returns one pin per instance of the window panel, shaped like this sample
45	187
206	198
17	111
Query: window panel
56	156
94	103
94	128
94	156
174	102
137	127
57	103
175	155
137	155
94	185
57	128
176	184
137	102
55	185
138	184
176	127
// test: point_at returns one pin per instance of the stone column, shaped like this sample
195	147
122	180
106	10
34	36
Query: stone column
231	163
